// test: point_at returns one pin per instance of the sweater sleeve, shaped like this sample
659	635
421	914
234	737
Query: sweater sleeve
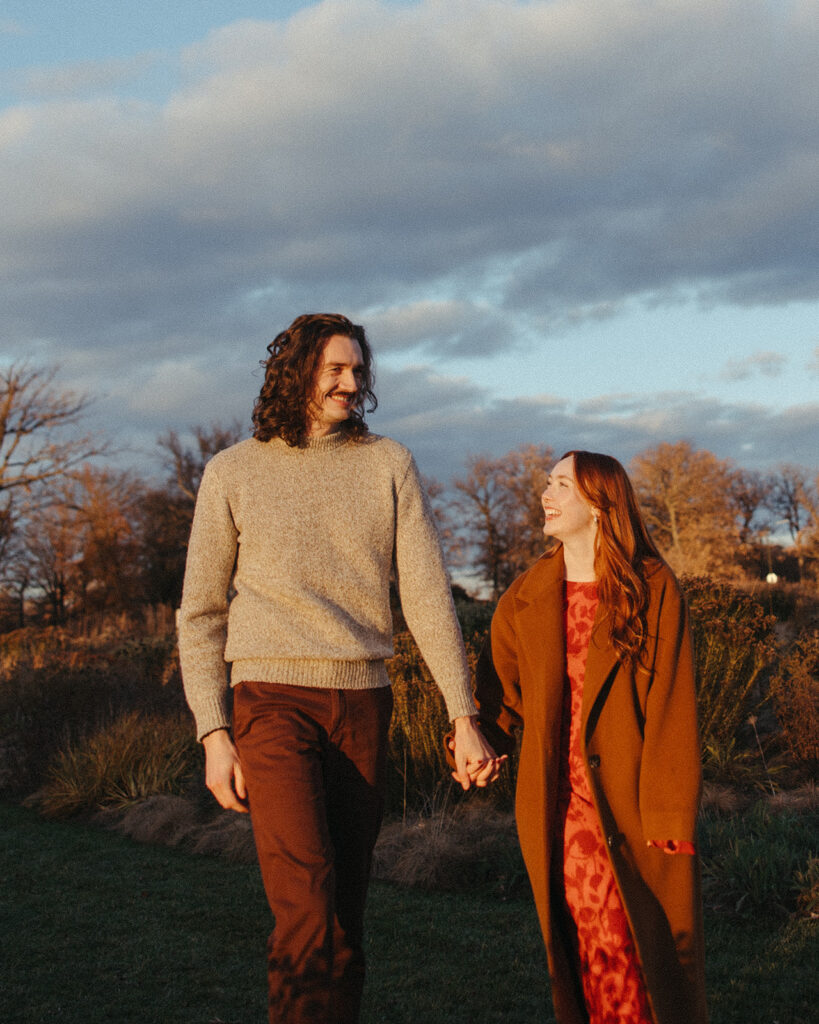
426	595
204	612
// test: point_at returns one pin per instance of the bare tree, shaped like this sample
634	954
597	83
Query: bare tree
34	415
794	500
39	449
164	525
499	513
750	493
186	464
436	493
49	551
525	473
14	570
166	513
107	571
686	499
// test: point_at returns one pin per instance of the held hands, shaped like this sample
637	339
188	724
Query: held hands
223	773
475	761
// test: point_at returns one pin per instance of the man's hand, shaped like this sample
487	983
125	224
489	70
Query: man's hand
223	773
475	761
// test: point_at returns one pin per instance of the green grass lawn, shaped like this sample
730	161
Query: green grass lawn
95	928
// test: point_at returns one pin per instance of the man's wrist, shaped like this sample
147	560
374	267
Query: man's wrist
213	733
465	722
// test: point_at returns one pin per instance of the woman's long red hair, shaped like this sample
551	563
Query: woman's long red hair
623	546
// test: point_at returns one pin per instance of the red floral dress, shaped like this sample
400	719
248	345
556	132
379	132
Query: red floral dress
609	969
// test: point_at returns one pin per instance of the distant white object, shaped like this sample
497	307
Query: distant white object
771	578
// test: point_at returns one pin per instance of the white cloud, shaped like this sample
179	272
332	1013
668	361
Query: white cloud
79	78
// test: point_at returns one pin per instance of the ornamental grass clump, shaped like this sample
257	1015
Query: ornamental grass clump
134	757
468	848
418	771
416	757
57	690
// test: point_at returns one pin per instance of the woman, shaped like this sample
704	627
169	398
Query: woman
591	658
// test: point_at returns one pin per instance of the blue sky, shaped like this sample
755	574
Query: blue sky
573	223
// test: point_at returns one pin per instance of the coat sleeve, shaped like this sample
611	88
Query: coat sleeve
497	682
671	768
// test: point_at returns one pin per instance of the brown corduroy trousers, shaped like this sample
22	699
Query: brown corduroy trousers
314	762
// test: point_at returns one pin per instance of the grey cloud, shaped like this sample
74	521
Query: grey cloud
559	157
454	422
768	364
443	419
418	394
442	327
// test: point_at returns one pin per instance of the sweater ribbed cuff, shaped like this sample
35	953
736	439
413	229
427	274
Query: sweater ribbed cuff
460	706
210	715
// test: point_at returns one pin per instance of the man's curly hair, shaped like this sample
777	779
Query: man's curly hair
282	408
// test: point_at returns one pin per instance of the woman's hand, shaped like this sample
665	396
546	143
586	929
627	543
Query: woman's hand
223	773
476	763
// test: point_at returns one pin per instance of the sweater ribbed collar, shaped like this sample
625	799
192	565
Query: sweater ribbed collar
317	445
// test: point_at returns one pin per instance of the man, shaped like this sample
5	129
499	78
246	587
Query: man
306	522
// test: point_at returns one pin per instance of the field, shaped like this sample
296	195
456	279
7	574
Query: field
96	928
96	752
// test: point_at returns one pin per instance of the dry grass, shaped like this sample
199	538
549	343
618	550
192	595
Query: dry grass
473	846
726	801
803	799
178	821
470	846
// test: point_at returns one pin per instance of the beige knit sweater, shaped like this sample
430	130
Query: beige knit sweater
307	537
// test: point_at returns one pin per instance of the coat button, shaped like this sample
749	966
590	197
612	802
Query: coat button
594	761
611	840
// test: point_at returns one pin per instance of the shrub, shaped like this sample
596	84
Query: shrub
794	690
734	642
134	757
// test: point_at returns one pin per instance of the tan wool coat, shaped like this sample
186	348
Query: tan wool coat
641	748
